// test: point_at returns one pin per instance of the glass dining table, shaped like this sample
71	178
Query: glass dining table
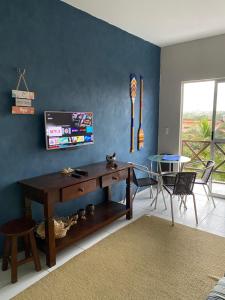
178	160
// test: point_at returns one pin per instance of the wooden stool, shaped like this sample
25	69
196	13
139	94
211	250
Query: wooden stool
12	230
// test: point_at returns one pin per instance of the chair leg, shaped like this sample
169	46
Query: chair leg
26	246
159	189
151	193
185	202
124	199
14	259
153	201
135	193
181	197
196	215
156	196
156	200
34	251
6	253
210	192
206	192
182	201
164	200
171	203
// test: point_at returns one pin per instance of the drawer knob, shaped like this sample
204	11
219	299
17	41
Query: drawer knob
115	178
81	190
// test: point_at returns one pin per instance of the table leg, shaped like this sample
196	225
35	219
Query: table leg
14	262
108	193
129	204
27	208
181	167
6	253
49	233
26	246
151	166
160	167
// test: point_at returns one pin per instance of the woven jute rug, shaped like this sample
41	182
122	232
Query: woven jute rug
147	259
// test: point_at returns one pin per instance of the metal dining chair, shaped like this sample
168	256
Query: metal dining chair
149	180
183	186
204	180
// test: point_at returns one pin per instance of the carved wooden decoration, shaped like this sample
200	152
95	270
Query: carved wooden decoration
140	130
133	92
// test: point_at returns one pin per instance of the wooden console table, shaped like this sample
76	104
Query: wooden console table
52	188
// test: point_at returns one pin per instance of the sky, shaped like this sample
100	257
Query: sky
198	96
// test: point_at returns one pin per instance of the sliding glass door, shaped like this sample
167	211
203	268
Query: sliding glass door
203	127
218	139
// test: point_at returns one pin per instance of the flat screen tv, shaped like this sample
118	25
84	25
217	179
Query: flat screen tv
68	129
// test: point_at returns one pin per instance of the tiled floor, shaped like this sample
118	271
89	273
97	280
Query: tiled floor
210	219
218	188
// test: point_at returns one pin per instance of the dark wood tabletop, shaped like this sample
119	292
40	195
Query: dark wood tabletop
58	180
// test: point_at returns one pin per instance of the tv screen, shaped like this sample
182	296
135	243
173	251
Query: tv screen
68	129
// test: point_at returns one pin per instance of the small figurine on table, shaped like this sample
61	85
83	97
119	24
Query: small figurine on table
111	161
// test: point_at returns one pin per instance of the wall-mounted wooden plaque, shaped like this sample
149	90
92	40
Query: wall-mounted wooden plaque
23	102
18	110
23	94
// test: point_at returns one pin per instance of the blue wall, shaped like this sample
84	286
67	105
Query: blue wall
73	62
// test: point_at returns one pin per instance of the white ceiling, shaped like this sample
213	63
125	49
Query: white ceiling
161	22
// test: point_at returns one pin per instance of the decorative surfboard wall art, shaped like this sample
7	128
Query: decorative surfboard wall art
133	92
140	130
23	99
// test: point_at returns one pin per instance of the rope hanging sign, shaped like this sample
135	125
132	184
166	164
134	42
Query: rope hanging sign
23	99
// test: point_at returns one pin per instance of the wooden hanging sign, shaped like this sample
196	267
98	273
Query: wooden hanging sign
23	94
23	99
23	102
18	110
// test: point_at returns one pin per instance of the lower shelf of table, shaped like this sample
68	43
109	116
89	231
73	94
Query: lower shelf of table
105	213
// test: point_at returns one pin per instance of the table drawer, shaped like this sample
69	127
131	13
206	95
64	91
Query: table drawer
109	179
78	190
